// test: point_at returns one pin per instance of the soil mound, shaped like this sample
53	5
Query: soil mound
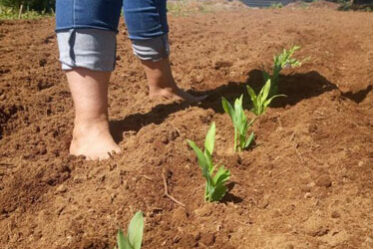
306	184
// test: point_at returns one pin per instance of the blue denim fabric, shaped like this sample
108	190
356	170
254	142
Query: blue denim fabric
144	19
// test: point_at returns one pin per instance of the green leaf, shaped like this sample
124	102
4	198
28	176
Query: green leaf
238	107
203	160
200	155
219	192
249	140
135	230
268	101
221	176
227	107
122	241
209	139
265	91
252	94
209	190
254	98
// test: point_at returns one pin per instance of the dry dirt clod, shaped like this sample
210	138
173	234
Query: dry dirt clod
263	203
78	179
324	181
176	239
61	189
335	214
205	210
208	239
306	188
165	140
179	214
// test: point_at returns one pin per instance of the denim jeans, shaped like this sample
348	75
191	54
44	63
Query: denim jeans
144	19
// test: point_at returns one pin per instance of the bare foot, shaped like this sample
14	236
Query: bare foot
175	94
93	141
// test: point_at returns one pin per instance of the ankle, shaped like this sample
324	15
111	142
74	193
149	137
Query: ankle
98	124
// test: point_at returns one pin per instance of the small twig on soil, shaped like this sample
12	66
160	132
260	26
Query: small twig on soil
147	177
295	145
243	223
202	245
315	159
166	192
279	122
292	136
298	154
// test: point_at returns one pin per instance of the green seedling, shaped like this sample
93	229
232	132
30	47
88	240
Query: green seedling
215	188
133	239
262	100
281	61
241	124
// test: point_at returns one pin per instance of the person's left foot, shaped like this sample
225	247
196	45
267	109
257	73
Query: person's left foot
175	94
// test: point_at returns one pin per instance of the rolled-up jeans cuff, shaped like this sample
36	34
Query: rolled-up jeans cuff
93	49
153	49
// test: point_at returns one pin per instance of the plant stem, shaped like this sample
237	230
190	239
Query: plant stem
235	140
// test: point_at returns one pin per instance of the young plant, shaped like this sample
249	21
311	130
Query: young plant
281	61
133	239
241	125
263	99
215	188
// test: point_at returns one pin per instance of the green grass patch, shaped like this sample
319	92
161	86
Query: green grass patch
8	13
188	7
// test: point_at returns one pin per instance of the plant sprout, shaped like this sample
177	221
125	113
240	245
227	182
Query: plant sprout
281	61
241	125
133	239
215	188
262	100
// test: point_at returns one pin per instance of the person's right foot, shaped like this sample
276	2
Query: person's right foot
93	141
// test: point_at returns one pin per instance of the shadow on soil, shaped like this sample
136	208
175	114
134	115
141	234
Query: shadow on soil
229	197
297	87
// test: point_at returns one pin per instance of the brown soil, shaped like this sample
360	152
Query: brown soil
306	184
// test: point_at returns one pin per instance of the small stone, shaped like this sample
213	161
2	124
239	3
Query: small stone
173	135
276	213
176	239
116	183
335	214
61	189
165	140
306	188
60	209
78	179
263	203
196	235
239	159
208	239
307	195
324	181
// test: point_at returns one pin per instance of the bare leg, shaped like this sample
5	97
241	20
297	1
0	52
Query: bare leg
91	135
161	82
